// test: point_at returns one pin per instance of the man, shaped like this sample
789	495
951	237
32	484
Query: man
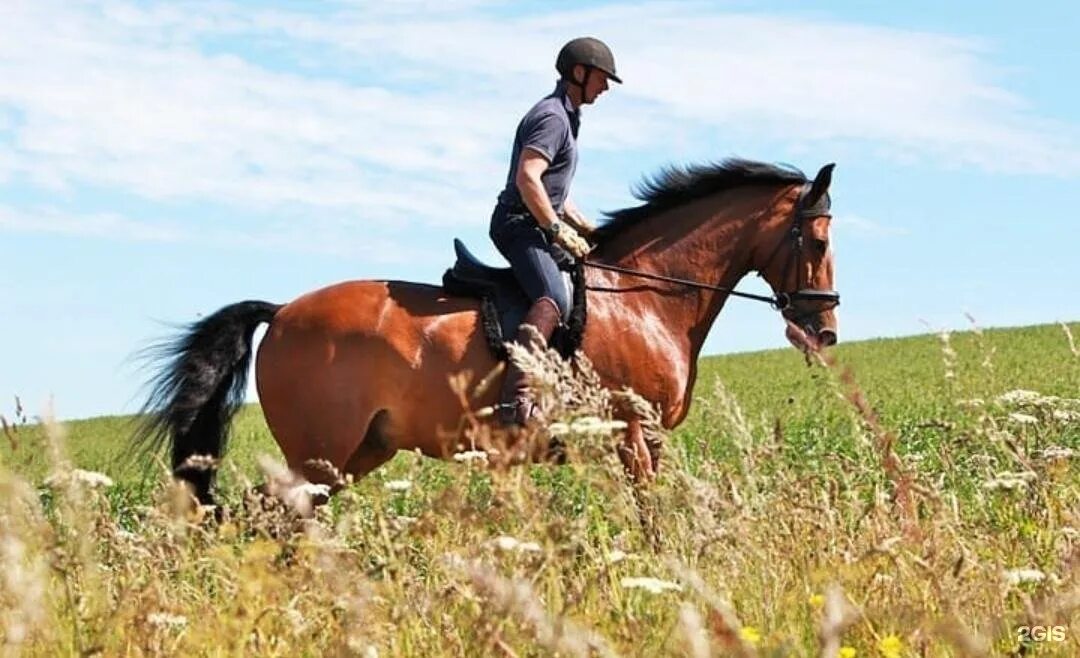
535	222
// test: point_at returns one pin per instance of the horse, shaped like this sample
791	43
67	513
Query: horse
352	373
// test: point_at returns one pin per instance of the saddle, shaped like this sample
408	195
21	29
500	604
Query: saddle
503	303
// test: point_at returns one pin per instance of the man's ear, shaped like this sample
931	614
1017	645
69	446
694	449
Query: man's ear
579	72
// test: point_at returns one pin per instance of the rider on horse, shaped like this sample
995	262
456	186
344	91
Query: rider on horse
535	225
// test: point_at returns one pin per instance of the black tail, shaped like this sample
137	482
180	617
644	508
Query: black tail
199	389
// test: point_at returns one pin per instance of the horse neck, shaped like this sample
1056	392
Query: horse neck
712	240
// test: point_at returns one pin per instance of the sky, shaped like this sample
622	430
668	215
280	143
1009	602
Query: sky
161	159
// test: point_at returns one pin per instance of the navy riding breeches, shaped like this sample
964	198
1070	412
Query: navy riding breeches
534	259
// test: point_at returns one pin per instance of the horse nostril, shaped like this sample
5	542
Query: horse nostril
827	337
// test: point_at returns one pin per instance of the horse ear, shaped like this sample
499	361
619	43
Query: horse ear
821	185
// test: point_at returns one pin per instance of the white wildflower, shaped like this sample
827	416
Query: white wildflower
358	646
507	543
1010	481
887	545
398	485
455	561
311	489
1057	452
92	479
471	456
300	496
586	425
1020	396
289	487
971	404
1018	576
1023	419
616	556
402	523
164	620
296	620
1066	415
653	585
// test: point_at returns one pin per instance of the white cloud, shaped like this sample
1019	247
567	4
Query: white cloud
858	225
104	225
314	237
397	114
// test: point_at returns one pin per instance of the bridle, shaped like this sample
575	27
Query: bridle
795	237
781	301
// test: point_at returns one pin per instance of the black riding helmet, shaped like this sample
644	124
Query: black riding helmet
588	51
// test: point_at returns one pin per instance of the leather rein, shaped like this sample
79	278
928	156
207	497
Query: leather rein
781	301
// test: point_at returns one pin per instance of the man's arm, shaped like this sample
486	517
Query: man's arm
575	218
530	167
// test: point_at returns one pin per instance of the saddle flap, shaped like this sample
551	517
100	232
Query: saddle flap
504	303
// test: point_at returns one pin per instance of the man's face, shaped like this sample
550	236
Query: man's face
596	84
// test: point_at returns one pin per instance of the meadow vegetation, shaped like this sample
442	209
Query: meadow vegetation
903	497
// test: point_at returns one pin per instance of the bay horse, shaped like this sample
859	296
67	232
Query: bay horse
354	372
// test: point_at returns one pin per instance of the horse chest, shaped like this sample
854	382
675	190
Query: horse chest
640	351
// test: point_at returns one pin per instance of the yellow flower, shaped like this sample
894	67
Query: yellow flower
750	635
816	601
847	652
890	646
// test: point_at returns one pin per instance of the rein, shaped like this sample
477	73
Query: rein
780	301
775	301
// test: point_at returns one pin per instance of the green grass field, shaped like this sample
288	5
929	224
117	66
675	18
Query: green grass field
904	501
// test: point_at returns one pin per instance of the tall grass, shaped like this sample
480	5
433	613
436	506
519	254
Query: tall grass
911	497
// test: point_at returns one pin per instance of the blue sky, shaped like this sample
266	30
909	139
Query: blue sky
159	160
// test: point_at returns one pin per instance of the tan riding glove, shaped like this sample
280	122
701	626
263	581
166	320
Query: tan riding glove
568	239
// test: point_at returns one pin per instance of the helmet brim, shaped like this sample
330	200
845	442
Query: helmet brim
610	75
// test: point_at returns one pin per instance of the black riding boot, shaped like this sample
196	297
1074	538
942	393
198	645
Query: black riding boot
517	404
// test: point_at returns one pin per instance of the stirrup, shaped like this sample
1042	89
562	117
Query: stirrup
508	413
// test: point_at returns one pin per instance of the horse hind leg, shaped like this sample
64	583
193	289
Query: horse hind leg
374	450
284	488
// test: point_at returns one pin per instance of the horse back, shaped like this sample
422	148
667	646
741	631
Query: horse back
409	317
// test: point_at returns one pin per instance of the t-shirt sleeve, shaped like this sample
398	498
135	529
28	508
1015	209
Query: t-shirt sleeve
544	134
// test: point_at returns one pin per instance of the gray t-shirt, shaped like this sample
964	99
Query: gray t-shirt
550	128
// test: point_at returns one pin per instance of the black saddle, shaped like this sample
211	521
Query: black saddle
503	304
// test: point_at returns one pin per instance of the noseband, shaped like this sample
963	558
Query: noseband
781	301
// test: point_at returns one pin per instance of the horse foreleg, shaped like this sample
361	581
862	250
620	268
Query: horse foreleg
637	459
635	454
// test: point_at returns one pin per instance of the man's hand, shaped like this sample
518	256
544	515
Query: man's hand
568	239
574	218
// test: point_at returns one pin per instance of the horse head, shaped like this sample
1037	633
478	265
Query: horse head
800	267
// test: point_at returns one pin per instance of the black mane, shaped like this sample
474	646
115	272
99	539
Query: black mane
676	185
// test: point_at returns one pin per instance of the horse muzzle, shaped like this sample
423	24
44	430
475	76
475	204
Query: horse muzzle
811	320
